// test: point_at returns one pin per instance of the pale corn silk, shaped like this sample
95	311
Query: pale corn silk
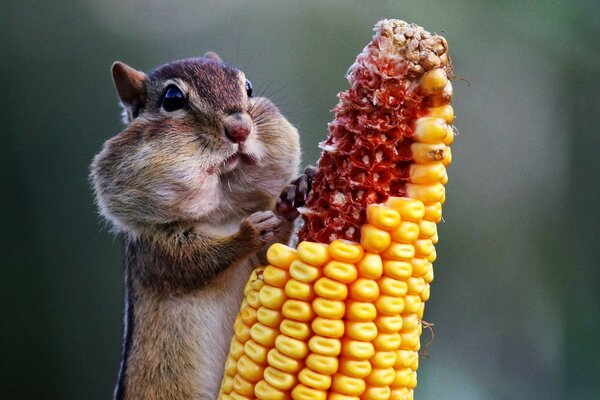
340	316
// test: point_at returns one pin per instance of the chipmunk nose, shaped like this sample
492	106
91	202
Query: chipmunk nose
237	127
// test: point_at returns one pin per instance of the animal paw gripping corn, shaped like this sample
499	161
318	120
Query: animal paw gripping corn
339	317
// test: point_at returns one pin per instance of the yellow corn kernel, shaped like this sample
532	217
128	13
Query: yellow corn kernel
410	322
339	396
279	379
412	303
230	366
397	269
255	351
302	392
392	287
340	271
420	266
345	251
236	349
415	284
427	229
275	276
355	368
433	81
423	248
359	330
304	272
440	99
333	328
421	310
399	251
264	391
401	393
249	370
327	365
298	310
427	173
409	209
268	317
257	283
433	212
281	255
272	297
373	239
410	340
241	330
425	153
314	379
447	160
407	359
450	134
227	384
389	323
407	232
325	346
402	377
242	386
370	266
446	112
331	289
291	347
348	385
253	299
387	341
383	359
429	274
282	362
383	217
376	393
248	315
364	290
313	253
429	130
428	194
327	308
424	295
263	334
236	396
295	329
389	305
357	349
296	289
360	311
381	377
433	255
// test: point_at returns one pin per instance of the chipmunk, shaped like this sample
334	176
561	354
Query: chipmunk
198	185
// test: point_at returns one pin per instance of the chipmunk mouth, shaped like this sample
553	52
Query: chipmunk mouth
230	163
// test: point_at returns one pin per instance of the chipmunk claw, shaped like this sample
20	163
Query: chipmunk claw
294	195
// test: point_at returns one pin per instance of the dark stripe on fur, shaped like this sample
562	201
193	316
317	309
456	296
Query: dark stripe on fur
127	335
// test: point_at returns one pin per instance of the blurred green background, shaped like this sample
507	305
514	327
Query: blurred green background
517	292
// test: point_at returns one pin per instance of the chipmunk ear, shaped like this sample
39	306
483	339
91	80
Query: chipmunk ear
213	56
131	88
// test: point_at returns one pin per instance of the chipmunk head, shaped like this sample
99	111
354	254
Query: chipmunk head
196	143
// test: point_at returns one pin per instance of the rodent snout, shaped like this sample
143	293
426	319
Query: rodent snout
237	127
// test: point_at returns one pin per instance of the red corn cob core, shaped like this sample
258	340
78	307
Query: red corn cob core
367	154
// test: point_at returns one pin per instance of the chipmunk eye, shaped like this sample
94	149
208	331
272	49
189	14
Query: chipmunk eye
248	88
173	99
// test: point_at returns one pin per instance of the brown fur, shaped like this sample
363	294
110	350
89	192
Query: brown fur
194	222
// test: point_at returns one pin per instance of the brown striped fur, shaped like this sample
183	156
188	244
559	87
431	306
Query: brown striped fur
194	223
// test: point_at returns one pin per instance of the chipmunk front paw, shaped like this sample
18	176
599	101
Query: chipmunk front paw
261	228
294	195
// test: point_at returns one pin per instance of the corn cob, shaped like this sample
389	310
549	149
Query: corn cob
339	317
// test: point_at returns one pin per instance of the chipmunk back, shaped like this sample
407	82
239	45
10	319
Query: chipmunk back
190	184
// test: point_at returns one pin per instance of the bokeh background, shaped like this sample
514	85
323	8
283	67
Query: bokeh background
517	292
